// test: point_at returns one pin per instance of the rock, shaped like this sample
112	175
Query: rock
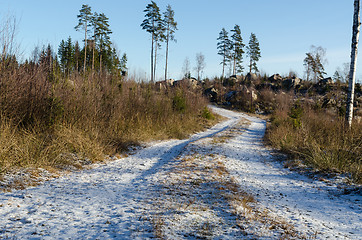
165	84
275	78
251	77
231	96
326	81
190	82
211	93
251	92
328	102
291	82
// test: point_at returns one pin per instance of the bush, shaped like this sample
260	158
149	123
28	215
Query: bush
295	114
207	114
52	123
321	140
179	102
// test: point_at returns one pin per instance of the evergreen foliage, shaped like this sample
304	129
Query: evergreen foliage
253	51
237	50
170	28
84	17
224	46
313	63
152	24
101	36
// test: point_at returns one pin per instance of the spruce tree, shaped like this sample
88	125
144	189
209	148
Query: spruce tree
84	17
66	56
171	27
76	55
253	51
237	51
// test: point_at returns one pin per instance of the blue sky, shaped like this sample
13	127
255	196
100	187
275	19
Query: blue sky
285	29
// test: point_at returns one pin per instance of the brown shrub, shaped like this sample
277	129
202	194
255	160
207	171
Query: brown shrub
322	141
44	121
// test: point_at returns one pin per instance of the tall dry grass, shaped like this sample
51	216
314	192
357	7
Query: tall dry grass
56	122
318	137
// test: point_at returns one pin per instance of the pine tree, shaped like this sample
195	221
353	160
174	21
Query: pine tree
94	25
171	27
150	24
253	51
237	51
224	46
84	17
102	33
313	63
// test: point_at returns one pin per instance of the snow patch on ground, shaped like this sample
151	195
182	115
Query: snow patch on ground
156	193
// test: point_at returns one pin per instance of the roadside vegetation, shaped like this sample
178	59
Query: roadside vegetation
306	118
75	106
72	120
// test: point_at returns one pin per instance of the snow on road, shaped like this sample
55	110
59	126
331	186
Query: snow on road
218	184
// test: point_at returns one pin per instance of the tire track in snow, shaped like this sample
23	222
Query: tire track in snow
111	201
105	202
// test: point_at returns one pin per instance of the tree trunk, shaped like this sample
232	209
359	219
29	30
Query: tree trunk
100	62
166	56
234	65
155	62
223	68
94	46
251	62
352	71
85	47
152	58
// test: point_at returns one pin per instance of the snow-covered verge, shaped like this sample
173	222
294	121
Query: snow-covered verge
218	184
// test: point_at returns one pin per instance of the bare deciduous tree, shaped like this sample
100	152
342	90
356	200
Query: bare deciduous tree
7	40
186	68
200	64
352	71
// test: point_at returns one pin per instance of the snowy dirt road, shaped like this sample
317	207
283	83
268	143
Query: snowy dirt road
218	184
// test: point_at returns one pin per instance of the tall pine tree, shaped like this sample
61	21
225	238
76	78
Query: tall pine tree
224	46
84	18
237	50
150	24
170	27
102	37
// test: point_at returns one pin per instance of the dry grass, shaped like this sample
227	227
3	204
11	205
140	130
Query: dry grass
58	122
320	139
200	192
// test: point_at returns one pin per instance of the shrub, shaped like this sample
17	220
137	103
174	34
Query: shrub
207	114
295	114
179	102
65	122
321	140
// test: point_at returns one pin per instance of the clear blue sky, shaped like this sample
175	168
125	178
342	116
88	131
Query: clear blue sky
285	28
